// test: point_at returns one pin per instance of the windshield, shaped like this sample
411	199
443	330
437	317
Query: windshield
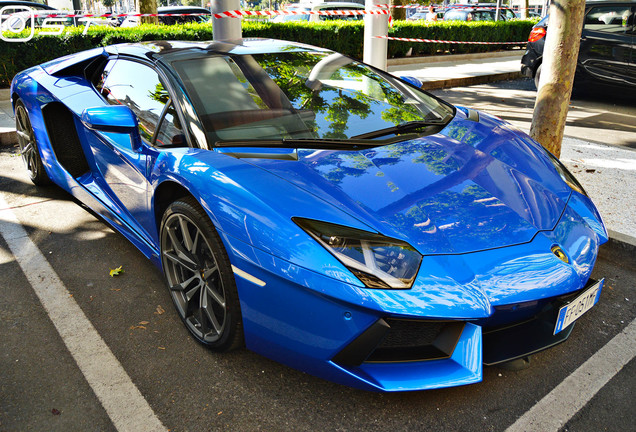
299	95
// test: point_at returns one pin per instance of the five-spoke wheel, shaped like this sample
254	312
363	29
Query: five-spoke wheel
199	276
29	146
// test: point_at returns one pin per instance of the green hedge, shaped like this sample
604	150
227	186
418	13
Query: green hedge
343	36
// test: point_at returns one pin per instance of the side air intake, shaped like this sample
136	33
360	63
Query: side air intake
64	140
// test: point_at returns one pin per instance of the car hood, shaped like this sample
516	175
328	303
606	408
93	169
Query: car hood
473	186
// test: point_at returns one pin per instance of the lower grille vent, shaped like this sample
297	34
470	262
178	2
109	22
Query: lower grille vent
417	340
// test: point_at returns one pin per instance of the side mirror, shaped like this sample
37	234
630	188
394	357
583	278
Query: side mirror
113	118
412	80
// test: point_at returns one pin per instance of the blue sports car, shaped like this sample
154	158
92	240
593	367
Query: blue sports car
316	210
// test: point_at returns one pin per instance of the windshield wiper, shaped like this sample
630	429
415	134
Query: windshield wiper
355	143
432	128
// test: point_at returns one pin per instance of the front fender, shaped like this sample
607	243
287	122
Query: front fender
255	207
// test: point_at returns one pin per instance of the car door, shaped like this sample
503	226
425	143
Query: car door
124	165
607	43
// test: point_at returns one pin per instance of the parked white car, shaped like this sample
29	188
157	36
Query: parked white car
306	7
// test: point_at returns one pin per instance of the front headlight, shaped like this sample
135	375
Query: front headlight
565	174
378	261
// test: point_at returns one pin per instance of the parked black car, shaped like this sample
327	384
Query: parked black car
608	46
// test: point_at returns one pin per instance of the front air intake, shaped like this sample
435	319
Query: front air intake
397	340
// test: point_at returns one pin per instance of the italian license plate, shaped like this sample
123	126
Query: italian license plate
577	307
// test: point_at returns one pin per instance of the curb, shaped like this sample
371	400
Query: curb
468	81
8	138
622	241
453	57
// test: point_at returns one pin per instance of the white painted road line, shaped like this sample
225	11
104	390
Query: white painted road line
561	404
124	404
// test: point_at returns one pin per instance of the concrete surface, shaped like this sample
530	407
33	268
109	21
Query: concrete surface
608	175
7	123
459	70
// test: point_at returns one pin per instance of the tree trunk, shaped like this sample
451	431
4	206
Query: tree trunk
524	12
399	13
148	7
557	73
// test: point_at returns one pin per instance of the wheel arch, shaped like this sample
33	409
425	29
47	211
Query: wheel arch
165	194
14	99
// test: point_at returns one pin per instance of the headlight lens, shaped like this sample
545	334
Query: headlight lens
378	261
565	174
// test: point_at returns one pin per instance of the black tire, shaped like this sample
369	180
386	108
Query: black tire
29	146
200	277
537	75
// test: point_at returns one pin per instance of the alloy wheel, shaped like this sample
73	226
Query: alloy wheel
28	145
194	278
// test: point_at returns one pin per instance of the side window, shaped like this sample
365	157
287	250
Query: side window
170	132
483	16
101	78
139	87
609	19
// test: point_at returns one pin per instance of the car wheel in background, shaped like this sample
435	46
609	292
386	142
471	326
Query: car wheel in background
28	146
200	277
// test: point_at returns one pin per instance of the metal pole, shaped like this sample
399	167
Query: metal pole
226	28
498	11
375	50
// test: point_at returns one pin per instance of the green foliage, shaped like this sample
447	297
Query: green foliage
482	31
342	36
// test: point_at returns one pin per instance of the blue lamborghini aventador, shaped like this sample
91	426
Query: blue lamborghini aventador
316	210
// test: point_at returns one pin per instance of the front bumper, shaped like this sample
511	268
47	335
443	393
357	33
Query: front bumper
463	311
421	354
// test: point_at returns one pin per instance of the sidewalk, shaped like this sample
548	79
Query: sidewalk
608	173
7	123
460	69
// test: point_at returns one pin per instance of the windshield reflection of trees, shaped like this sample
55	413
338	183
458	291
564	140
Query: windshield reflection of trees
338	109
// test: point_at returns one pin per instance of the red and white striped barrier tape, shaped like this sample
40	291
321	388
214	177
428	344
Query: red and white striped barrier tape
449	42
452	6
226	14
383	9
237	13
104	15
347	12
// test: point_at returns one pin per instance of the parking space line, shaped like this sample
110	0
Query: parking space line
553	411
124	404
